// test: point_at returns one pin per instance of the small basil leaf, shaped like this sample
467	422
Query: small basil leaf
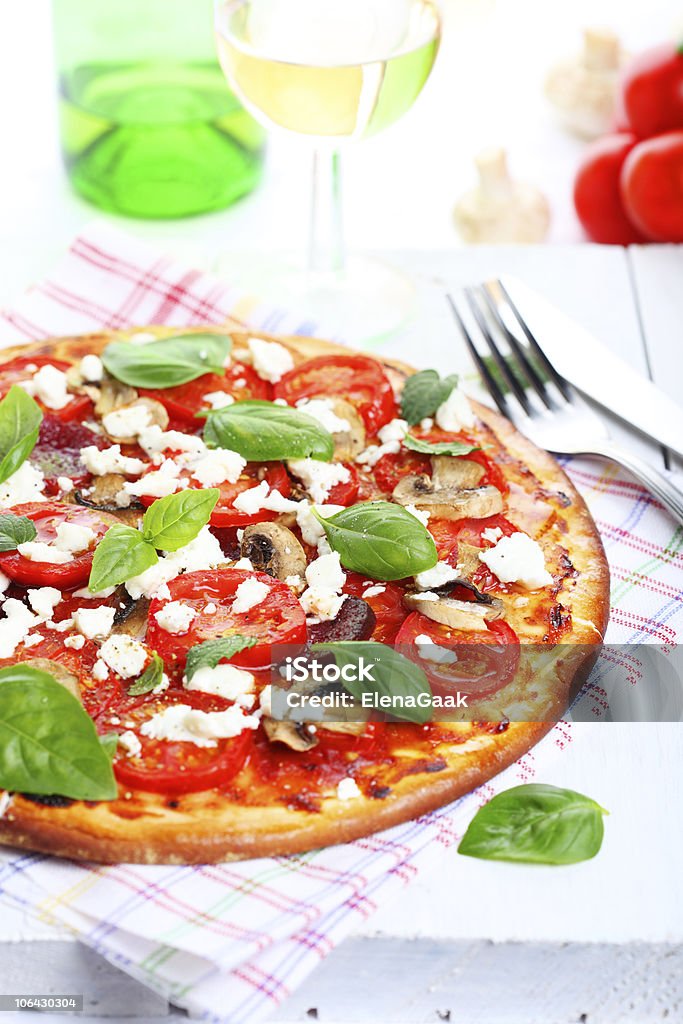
149	679
48	743
168	362
121	554
15	530
172	522
393	675
380	539
208	654
264	431
536	824
109	743
20	419
416	444
423	393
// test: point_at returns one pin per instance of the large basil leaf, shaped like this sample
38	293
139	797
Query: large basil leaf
149	679
393	675
166	363
380	539
209	653
423	393
416	444
536	824
121	554
48	743
15	530
20	419
172	522
264	431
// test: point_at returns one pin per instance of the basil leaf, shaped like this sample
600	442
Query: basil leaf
439	448
149	679
265	432
168	362
172	522
109	743
536	824
393	675
48	743
208	654
121	554
15	530
380	539
20	419
423	393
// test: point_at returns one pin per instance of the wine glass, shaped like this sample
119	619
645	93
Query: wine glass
330	72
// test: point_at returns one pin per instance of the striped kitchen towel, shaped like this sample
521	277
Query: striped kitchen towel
230	942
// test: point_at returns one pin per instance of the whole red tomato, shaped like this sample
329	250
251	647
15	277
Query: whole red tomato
652	187
652	91
596	191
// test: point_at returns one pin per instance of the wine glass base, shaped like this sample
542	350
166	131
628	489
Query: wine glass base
361	304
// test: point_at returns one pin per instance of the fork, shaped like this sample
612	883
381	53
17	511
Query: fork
538	401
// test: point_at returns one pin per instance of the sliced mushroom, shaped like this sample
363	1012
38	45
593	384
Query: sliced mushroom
295	735
112	395
60	674
158	417
351	442
272	548
448	471
345	728
468	559
131	615
107	495
451	502
450	612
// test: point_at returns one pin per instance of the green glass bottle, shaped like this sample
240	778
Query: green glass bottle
149	127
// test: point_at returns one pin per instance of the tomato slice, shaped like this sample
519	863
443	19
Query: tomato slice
278	619
58	451
487	659
176	767
359	379
239	381
23	367
47	516
345	493
387	605
225	514
390	469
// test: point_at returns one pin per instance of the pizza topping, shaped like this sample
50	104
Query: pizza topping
424	393
323	599
125	423
49	385
224	680
431	651
44	600
218	399
273	549
271	360
16	625
204	552
518	559
124	655
308	521
451	501
94	622
355	620
453	472
155	440
347	789
217	467
263	497
130	743
175	617
421	514
38	551
26	484
185	724
455	413
452	612
249	594
267	431
91	368
169	362
343	422
101	462
298	736
319	477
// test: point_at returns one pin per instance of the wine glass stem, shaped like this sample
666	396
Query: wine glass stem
326	240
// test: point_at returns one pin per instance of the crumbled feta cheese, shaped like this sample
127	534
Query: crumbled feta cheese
429	651
249	594
124	655
518	559
157	484
325	578
49	385
38	551
88	594
322	410
217	467
266	700
271	360
396	430
25	484
224	680
419	513
204	552
154	440
75	642
295	582
438	576
128	420
218	399
74	538
371	456
347	789
244	563
373	591
427	423
175	617
15	627
44	600
326	571
32	639
492	535
312	532
455	413
182	723
255	499
65	484
94	622
130	743
110	460
210	608
100	671
321	604
319	477
91	368
4	582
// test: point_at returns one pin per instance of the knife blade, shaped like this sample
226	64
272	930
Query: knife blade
591	367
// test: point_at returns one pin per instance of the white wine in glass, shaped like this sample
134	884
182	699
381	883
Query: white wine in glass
332	71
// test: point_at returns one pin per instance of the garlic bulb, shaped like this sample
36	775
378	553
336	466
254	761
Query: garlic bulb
583	89
500	209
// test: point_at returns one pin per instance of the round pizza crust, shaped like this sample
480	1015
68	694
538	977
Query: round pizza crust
209	828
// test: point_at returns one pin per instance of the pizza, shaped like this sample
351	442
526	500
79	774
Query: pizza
182	507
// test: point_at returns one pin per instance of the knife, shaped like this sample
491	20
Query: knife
591	367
